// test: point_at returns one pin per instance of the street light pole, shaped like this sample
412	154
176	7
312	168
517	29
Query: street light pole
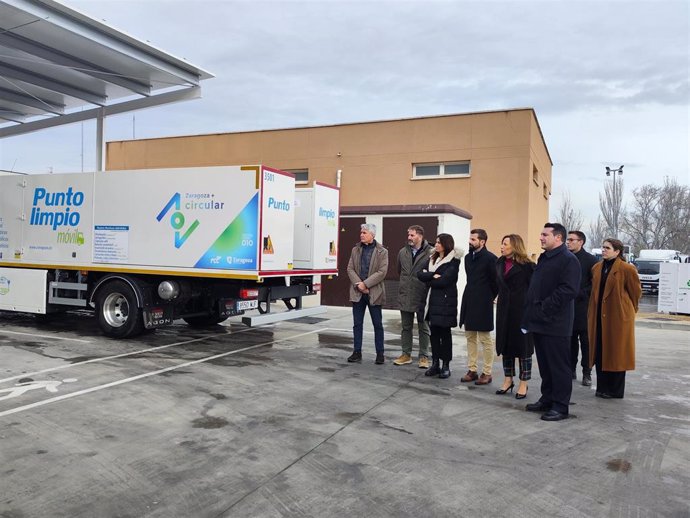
614	172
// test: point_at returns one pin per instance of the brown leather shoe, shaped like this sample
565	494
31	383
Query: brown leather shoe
470	376
484	379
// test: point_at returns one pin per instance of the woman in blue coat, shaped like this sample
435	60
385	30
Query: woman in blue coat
442	313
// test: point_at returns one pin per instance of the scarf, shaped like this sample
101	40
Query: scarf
439	261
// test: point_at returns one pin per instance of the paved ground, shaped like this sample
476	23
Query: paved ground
273	422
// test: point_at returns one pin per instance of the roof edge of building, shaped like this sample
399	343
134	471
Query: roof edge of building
440	208
378	121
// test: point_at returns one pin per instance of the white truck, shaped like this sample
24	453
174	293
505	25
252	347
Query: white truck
648	265
145	247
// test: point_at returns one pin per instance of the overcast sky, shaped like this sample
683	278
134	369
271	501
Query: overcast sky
608	79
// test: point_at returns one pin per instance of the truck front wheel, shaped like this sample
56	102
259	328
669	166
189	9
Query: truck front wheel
119	315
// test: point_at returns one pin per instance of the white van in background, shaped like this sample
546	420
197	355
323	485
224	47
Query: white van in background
648	266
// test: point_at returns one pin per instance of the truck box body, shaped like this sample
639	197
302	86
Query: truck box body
316	227
228	221
674	288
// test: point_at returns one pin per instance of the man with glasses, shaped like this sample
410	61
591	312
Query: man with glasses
579	340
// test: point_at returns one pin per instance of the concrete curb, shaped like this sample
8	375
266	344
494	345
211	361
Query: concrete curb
678	326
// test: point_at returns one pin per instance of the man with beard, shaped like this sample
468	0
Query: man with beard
477	310
412	294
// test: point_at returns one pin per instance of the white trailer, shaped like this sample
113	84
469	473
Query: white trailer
145	247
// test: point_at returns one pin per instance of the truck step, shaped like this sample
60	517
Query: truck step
269	318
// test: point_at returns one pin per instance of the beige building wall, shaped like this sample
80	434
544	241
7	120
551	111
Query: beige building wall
509	163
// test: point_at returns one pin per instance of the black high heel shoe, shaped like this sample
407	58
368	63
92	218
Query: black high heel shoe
521	396
505	391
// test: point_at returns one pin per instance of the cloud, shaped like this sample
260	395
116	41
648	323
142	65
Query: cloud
608	79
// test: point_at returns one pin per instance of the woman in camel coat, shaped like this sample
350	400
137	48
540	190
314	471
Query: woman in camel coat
615	297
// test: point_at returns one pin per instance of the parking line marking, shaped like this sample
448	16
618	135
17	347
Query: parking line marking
146	375
45	336
132	353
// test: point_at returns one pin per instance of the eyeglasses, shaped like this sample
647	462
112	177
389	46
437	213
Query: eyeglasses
573	239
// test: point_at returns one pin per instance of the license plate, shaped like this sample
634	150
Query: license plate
157	317
243	305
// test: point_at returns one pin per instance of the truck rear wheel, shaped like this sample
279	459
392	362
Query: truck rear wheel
204	321
119	315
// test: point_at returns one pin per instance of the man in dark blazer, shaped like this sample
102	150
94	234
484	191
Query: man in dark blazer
549	315
477	310
579	340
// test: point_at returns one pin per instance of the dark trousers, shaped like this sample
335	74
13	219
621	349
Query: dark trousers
608	382
441	343
358	310
553	356
579	342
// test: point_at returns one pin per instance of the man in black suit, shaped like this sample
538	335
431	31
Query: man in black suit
579	340
549	315
477	310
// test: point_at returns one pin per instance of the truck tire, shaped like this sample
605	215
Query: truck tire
119	315
204	321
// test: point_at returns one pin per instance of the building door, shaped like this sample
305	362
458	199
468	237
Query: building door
336	291
395	234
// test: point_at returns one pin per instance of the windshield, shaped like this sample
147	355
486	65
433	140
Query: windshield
647	267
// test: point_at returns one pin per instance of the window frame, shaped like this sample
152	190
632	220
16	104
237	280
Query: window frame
442	166
296	172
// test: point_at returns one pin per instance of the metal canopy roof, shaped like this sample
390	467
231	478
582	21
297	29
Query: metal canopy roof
59	66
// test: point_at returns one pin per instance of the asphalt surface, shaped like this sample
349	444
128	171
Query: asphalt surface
273	422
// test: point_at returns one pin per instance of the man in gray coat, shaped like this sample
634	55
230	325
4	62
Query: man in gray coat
367	270
412	294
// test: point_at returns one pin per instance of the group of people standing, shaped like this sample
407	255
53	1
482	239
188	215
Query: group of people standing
565	305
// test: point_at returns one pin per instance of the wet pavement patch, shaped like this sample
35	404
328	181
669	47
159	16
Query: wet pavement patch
326	369
81	359
378	422
347	416
231	362
219	396
432	391
176	371
309	320
619	465
209	422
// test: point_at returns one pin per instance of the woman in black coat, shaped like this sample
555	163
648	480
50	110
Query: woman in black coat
514	272
442	313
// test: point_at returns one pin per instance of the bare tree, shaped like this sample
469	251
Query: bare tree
597	233
610	203
567	215
660	216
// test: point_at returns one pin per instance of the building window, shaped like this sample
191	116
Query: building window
441	169
301	175
535	175
545	190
